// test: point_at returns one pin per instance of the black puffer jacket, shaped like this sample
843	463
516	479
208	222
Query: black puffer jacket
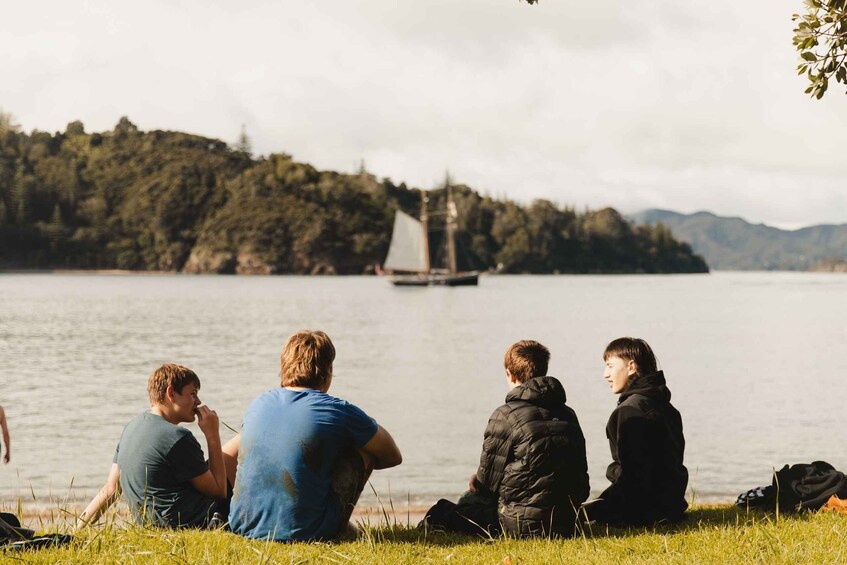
533	459
647	474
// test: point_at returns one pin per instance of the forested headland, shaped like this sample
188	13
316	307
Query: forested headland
171	201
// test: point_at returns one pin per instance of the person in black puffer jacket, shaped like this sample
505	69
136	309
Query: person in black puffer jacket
645	436
532	475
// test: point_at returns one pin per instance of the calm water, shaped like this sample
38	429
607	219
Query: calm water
757	364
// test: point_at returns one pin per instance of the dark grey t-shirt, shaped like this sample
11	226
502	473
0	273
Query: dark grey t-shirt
157	461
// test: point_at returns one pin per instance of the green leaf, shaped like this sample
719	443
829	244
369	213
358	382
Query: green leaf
809	56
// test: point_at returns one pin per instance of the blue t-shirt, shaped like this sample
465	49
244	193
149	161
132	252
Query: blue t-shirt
289	443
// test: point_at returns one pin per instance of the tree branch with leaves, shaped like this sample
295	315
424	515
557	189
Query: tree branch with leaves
821	39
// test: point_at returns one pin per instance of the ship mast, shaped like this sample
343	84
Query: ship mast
451	230
425	230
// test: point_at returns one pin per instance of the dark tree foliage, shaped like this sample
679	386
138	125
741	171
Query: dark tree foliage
170	201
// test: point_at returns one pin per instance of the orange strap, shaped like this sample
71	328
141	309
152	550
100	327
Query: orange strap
835	504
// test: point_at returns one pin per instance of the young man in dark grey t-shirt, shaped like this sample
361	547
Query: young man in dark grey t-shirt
159	465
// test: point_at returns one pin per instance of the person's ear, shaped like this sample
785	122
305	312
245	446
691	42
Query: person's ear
511	377
169	393
631	367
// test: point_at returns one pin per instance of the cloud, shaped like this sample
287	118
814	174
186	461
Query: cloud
632	104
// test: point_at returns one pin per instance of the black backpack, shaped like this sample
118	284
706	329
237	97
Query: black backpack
804	486
13	536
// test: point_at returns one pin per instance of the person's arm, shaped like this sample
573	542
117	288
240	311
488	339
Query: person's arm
6	439
230	451
579	462
382	449
629	494
212	482
104	499
636	445
496	453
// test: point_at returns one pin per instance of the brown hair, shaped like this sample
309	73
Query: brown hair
633	349
527	359
169	375
306	360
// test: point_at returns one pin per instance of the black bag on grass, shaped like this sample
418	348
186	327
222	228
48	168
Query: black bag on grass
797	487
15	537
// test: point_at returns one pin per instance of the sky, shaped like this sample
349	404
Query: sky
633	104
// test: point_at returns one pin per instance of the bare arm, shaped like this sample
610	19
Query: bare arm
231	458
104	499
6	440
212	482
383	450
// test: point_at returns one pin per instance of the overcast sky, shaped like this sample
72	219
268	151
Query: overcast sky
635	104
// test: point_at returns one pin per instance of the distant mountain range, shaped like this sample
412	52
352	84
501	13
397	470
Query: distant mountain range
733	244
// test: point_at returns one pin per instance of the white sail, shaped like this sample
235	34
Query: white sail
407	251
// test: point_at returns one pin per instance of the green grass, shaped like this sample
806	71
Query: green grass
710	535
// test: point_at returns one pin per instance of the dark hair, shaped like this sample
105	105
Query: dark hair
306	360
633	349
527	359
169	375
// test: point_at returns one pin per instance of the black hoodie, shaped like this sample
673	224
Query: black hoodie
647	473
533	459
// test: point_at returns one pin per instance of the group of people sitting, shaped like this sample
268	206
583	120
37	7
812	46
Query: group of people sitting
303	457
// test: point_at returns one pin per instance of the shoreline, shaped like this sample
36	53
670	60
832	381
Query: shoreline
127	272
44	517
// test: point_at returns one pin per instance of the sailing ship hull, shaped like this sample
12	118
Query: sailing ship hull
459	279
410	280
409	250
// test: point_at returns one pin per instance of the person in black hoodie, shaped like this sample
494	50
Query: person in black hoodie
532	475
645	436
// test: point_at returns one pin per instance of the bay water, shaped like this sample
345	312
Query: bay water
756	362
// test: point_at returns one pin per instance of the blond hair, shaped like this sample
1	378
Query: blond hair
527	359
306	360
169	375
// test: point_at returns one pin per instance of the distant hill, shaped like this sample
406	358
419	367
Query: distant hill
735	244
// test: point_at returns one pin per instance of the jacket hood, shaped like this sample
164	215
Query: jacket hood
546	392
651	386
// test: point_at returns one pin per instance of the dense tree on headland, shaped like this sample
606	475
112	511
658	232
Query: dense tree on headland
171	201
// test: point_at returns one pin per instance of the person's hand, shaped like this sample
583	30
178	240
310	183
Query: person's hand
472	483
207	419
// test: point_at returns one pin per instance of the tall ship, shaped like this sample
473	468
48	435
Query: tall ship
408	256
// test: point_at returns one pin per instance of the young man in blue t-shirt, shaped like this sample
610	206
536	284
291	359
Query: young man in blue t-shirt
159	466
303	456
